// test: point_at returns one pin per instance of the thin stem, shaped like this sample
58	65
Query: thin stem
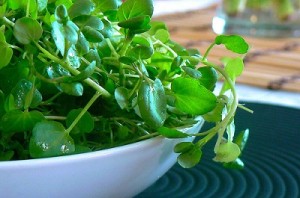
28	9
55	117
208	51
9	22
84	110
111	47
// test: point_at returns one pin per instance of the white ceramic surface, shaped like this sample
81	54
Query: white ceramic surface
118	172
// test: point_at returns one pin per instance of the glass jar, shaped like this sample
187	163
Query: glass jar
263	18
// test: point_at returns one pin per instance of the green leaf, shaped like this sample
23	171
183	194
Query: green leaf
227	152
27	30
82	46
233	43
58	35
192	72
190	158
84	125
242	138
92	35
152	103
209	77
156	26
234	67
73	89
136	23
49	139
192	97
135	8
183	147
107	5
88	20
216	114
171	133
122	97
62	33
6	54
140	52
108	29
61	14
81	7
19	121
22	92
162	35
123	132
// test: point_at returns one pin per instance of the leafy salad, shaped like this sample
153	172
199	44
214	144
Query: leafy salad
79	76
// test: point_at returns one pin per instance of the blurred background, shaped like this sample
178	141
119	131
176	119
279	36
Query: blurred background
272	67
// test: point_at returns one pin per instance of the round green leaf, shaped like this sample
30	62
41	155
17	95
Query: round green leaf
192	97
162	35
27	30
227	152
190	158
132	8
49	138
233	43
140	52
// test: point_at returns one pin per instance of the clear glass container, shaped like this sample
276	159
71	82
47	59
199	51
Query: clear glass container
262	18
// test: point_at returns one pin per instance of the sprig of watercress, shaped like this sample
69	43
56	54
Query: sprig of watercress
89	75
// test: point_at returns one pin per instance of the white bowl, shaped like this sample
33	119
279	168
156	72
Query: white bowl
123	171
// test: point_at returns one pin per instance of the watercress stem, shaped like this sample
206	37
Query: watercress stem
84	110
220	128
7	21
208	51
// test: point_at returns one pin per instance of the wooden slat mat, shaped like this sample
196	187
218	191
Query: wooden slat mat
271	63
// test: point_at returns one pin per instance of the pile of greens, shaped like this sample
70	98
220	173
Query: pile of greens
78	76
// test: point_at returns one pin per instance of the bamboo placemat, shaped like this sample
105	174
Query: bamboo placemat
271	63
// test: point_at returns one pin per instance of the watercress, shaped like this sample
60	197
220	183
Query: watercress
78	76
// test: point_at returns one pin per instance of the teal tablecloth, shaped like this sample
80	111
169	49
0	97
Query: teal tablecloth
272	162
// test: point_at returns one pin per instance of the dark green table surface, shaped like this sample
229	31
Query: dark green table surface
272	162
